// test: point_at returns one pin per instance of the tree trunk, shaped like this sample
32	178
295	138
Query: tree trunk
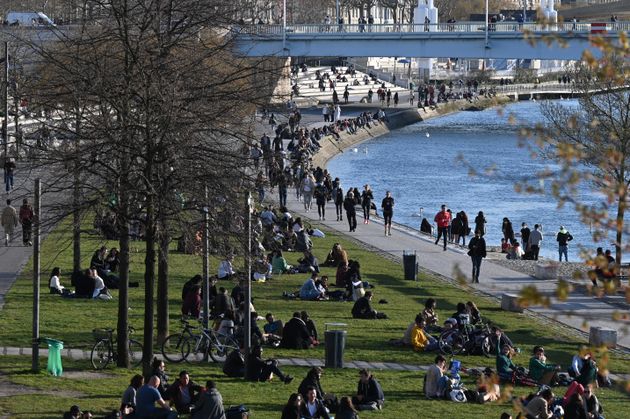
162	286
122	334
123	241
149	283
621	210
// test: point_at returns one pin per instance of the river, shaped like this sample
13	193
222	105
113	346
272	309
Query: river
420	165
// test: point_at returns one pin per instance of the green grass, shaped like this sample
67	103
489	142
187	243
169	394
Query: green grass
72	321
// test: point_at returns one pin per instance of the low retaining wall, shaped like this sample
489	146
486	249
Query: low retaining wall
397	119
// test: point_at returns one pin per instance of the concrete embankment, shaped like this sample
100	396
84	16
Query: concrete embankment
397	119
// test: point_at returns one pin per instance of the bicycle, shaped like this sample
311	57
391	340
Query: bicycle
210	343
172	345
467	339
104	350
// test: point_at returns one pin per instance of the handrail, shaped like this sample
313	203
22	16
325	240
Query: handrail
324	29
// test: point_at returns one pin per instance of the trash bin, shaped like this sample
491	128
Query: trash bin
410	266
54	356
335	344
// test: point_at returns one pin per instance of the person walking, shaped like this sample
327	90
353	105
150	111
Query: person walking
26	219
366	203
9	221
476	251
443	220
563	238
508	230
351	211
338	197
535	240
388	212
9	168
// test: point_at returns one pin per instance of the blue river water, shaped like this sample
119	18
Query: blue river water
420	165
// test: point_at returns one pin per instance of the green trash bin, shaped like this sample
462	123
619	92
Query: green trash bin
54	356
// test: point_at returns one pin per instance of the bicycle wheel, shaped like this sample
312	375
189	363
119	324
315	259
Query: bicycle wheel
172	348
135	353
101	354
189	345
451	342
220	349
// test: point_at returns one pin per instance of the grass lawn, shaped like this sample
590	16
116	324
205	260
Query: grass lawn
72	321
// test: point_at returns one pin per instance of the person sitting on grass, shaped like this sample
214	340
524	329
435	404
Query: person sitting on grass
184	393
369	395
308	263
279	264
539	370
539	406
273	326
76	413
310	290
434	379
146	398
594	410
420	340
313	407
346	409
430	315
506	369
128	402
293	408
295	334
226	270
259	369
210	403
312	379
159	370
362	308
310	327
234	365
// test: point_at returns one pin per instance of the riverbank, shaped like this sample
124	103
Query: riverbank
398	119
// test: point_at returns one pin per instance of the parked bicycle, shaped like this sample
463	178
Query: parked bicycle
209	342
172	345
104	350
467	339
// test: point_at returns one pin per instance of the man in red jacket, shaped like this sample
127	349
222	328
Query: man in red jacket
443	220
26	219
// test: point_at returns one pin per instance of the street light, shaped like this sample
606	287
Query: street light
247	342
487	23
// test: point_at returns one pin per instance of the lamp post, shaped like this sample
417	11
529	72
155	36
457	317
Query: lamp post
487	23
284	25
5	119
247	338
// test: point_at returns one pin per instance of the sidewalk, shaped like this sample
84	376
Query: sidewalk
494	280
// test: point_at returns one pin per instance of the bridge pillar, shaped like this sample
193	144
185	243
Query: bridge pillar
426	14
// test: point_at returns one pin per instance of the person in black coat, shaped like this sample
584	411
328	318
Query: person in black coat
362	308
295	334
293	408
313	408
312	381
259	369
351	212
369	392
477	251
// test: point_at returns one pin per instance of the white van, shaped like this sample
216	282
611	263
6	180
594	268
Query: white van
28	19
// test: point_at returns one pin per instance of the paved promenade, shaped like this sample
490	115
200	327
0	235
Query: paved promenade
494	280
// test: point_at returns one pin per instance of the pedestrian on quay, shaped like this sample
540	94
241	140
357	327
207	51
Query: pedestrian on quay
480	224
525	232
535	240
351	211
476	251
9	169
26	219
563	238
366	203
508	230
388	212
9	221
338	197
443	220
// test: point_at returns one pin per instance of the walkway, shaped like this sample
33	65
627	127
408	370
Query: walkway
495	280
442	40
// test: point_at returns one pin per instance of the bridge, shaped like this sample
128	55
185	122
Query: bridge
559	41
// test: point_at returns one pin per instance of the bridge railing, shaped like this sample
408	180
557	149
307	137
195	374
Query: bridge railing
458	27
